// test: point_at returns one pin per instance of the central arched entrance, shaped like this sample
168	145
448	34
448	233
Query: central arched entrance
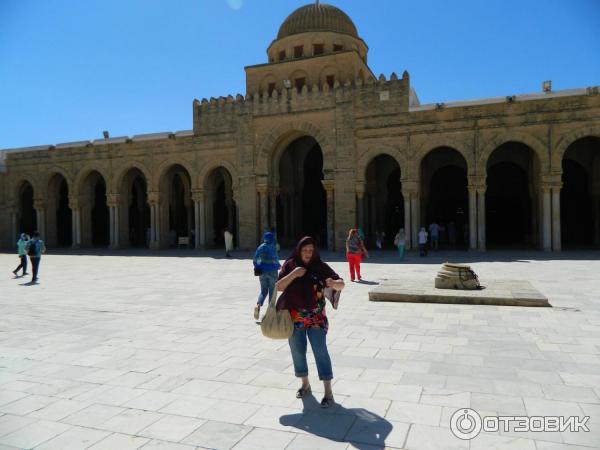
580	194
302	201
511	199
59	232
445	195
383	201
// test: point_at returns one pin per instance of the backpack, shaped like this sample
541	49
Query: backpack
32	248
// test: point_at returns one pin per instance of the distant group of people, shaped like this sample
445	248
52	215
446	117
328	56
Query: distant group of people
31	247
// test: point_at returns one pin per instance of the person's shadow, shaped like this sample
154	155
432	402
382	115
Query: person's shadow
357	426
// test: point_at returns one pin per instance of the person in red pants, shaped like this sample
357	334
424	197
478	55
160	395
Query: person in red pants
355	249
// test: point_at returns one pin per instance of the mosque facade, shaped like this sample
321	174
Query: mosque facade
317	145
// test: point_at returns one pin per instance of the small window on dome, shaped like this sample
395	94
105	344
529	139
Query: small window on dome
318	49
299	51
282	55
338	47
330	80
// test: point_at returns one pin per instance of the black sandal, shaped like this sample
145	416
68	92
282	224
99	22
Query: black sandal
303	392
327	402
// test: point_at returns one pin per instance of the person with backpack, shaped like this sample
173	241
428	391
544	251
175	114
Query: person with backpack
35	248
22	252
266	267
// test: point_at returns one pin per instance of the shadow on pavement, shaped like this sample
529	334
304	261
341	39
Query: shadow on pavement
360	428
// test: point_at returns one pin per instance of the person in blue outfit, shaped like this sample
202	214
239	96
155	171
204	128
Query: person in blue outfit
266	266
22	251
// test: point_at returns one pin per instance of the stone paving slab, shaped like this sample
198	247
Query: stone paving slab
496	292
160	351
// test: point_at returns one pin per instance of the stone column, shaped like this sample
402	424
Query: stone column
113	203
40	214
546	218
12	212
481	236
273	207
75	222
329	189
264	211
199	218
472	218
415	212
154	202
556	231
407	225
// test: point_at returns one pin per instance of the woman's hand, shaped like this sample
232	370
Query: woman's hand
338	285
298	272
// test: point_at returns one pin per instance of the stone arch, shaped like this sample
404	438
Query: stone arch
164	168
367	157
565	142
219	185
18	185
442	141
58	170
119	175
277	141
534	143
208	168
85	171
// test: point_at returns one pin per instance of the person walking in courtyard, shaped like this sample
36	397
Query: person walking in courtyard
35	248
302	279
423	242
434	234
22	252
228	237
399	242
266	266
355	249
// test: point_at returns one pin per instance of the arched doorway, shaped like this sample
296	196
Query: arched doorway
221	209
383	201
177	219
60	224
27	216
302	201
512	197
445	195
95	220
580	194
135	211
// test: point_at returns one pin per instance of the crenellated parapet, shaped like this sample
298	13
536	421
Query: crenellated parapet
374	96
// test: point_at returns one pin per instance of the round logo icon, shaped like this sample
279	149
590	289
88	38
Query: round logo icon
466	424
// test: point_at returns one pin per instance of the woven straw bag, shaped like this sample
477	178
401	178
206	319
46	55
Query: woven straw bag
276	324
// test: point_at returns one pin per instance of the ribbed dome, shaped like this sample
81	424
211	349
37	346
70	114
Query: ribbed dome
317	17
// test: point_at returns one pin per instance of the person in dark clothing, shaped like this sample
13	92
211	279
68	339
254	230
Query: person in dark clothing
35	248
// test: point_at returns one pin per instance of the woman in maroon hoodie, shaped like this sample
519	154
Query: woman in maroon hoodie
302	279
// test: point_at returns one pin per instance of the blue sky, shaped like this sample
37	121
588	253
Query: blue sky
71	68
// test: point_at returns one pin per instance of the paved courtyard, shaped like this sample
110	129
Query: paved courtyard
161	352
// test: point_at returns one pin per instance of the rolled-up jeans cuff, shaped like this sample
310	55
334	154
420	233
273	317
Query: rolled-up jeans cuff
300	375
326	377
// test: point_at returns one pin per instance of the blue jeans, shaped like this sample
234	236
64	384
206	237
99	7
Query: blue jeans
267	286
318	343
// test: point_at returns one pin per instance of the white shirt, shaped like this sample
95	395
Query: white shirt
422	237
228	240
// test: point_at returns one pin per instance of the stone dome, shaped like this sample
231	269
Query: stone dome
317	17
